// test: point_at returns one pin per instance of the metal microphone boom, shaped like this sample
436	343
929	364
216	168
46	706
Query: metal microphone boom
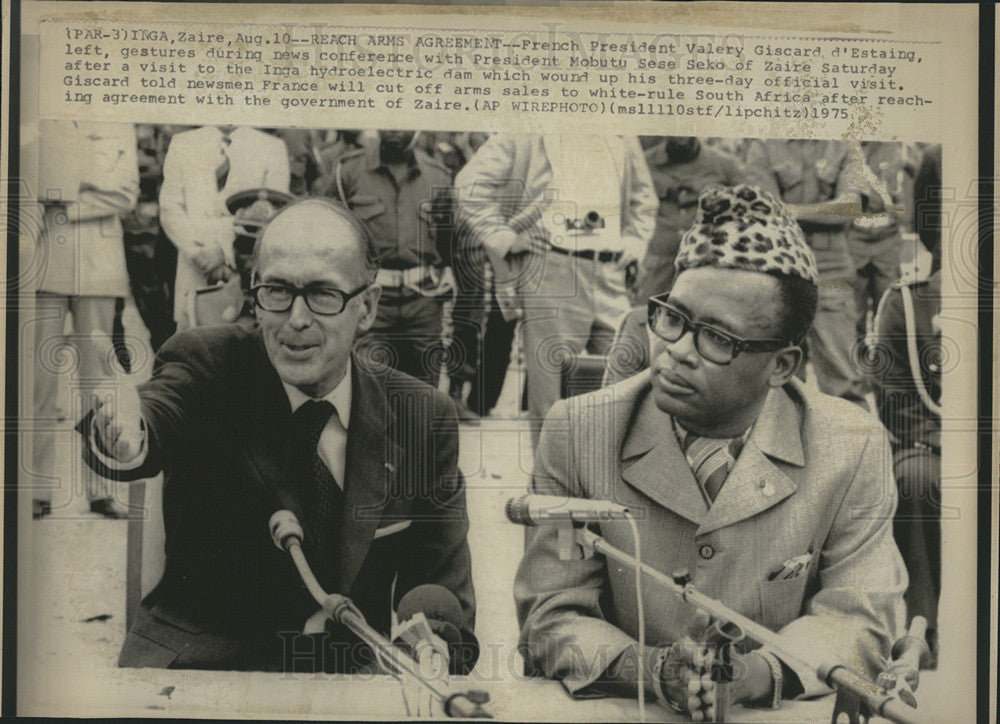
287	535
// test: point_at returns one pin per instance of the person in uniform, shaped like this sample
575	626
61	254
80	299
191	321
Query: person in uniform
203	167
826	186
875	240
907	358
88	179
404	196
736	471
681	167
561	218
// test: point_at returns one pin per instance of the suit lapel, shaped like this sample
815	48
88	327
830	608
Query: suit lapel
653	464
372	460
269	450
760	480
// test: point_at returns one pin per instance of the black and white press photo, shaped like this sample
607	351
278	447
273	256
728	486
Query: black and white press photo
485	363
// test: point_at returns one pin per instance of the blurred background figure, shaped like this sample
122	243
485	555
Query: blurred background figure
681	168
202	168
468	327
404	196
88	179
303	161
332	146
908	389
876	240
826	185
150	257
561	218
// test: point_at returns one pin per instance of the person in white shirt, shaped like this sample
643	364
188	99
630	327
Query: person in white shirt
561	218
88	178
203	167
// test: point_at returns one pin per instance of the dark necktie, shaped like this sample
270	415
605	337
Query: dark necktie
711	459
222	170
321	493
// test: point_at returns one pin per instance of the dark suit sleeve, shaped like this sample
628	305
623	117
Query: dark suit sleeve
442	556
168	399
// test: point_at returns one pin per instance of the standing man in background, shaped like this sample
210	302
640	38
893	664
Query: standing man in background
560	217
908	391
150	257
404	196
203	167
876	240
681	168
88	178
826	187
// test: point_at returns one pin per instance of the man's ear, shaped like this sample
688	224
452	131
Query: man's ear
370	301
786	363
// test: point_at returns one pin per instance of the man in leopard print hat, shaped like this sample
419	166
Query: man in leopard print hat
746	228
746	477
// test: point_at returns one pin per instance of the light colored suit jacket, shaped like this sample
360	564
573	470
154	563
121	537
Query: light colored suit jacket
192	208
814	478
507	186
92	169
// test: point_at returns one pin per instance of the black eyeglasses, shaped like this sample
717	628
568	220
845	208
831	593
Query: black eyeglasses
322	300
670	324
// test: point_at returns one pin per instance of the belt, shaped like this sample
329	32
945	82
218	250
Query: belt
414	276
423	280
602	256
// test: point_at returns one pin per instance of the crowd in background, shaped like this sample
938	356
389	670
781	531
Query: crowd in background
152	211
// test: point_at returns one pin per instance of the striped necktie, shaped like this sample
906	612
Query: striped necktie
710	459
321	494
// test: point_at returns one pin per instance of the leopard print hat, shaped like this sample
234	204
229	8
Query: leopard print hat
746	228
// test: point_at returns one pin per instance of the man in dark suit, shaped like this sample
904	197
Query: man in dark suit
246	422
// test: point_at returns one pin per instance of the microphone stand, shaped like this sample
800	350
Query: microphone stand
340	609
732	626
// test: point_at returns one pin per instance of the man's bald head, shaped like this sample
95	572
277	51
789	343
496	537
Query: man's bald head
318	224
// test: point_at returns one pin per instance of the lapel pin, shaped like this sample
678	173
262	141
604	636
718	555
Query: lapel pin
390	467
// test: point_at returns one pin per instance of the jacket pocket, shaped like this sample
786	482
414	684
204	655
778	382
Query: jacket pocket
781	601
366	207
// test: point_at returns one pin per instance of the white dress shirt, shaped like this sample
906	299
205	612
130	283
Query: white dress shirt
333	439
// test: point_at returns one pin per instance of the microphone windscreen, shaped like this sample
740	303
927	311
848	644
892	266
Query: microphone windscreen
444	614
436	602
517	511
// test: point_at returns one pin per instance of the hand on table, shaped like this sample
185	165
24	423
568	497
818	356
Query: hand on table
686	674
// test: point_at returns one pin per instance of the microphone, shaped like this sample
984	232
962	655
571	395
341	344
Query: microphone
542	509
430	623
286	532
285	529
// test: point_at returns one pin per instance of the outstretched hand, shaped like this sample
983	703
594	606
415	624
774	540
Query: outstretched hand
117	412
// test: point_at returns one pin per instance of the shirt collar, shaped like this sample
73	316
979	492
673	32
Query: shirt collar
683	433
339	397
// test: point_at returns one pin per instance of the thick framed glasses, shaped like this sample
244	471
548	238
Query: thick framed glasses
323	300
670	324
